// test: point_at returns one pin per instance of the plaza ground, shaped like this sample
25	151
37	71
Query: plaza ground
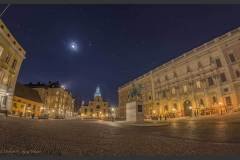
186	136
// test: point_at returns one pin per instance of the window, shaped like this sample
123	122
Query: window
210	81
175	106
218	63
210	60
184	88
166	77
166	107
8	57
14	64
139	108
9	81
201	102
5	79
237	73
91	110
4	100
85	110
98	107
232	58
225	89
149	97
174	74
228	101
188	69
198	83
1	50
173	90
214	99
199	65
163	94
223	77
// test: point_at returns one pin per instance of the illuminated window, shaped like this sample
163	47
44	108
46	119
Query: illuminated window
198	83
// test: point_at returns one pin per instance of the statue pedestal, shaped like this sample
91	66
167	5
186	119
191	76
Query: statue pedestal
135	112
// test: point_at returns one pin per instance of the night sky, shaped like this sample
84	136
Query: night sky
83	46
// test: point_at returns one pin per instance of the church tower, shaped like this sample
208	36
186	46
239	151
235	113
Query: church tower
97	94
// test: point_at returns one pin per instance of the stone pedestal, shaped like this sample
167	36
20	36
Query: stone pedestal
135	112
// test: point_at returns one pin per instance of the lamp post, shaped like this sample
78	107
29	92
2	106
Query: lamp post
112	113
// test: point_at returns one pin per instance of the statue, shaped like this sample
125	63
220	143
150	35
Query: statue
135	92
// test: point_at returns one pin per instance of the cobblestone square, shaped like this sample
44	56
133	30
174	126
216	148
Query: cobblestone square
89	138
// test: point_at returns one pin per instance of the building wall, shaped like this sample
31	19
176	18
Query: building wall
57	101
11	57
183	86
25	107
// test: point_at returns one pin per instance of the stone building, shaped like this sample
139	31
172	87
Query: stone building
26	102
205	80
58	101
96	108
11	57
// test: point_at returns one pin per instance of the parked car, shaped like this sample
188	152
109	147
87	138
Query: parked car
59	117
43	116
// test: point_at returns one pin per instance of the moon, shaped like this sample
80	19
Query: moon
74	46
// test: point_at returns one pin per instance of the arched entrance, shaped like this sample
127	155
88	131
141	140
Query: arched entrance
187	108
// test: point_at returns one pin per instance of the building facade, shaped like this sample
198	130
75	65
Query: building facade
26	102
96	108
11	57
58	101
205	80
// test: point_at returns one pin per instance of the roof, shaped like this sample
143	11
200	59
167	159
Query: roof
27	93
